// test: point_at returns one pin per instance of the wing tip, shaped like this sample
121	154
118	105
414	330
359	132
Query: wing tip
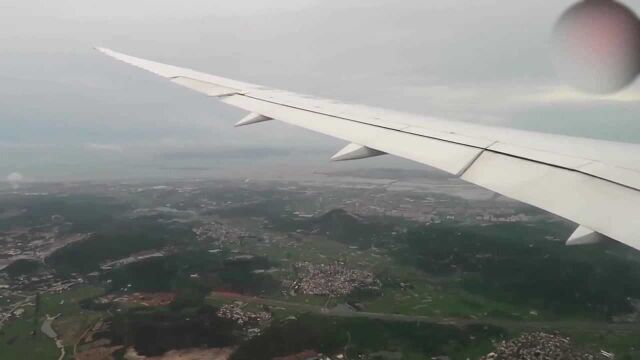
157	68
111	53
103	50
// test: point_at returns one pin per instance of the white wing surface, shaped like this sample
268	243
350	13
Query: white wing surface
593	183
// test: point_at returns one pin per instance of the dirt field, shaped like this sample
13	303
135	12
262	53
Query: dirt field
186	354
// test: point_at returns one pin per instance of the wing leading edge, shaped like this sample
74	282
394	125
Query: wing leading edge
591	182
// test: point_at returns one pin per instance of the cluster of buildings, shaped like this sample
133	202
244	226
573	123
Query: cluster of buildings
36	242
144	255
54	286
13	310
224	235
333	279
432	211
539	345
436	203
311	355
430	205
45	285
251	322
24	243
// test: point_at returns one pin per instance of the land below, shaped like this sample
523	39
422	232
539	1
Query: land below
233	269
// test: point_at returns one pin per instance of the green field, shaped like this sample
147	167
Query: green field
353	336
17	341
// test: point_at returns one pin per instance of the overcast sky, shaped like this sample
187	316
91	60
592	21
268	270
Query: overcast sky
67	111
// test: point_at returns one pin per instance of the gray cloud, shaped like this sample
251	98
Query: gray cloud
469	60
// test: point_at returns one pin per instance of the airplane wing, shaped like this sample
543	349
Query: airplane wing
593	183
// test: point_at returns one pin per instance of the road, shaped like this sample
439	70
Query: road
594	326
47	329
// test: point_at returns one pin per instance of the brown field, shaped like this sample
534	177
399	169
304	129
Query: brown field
185	354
